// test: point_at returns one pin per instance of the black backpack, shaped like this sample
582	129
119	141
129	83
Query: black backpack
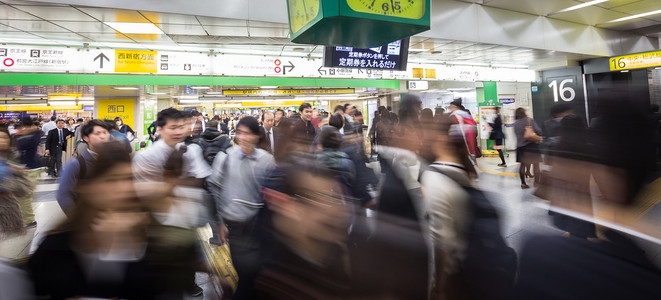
490	265
211	148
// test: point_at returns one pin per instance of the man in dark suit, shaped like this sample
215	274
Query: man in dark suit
269	139
56	142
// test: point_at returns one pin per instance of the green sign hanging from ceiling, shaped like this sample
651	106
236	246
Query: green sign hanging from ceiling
356	23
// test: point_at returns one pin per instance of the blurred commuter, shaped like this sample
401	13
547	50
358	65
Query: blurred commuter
551	129
125	129
372	131
47	127
315	118
151	130
497	135
56	143
438	112
464	226
171	127
334	160
106	248
70	124
426	115
465	124
279	115
14	282
614	266
27	141
95	134
78	147
238	201
527	146
304	127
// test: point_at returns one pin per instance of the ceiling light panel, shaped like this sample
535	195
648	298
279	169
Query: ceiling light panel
189	29
579	6
135	28
94	27
641	15
9	13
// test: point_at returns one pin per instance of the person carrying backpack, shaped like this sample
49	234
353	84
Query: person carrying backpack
472	260
212	141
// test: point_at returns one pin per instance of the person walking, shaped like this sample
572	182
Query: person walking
498	136
56	142
527	147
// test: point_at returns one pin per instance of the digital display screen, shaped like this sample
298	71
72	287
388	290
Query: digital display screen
393	57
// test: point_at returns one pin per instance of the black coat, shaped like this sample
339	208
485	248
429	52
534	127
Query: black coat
497	128
52	140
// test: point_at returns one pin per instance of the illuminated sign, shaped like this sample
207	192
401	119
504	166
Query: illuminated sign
286	92
388	57
109	109
135	61
635	61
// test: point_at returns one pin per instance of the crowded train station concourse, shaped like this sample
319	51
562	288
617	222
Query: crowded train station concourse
330	149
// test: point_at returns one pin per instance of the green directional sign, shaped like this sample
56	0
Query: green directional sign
356	23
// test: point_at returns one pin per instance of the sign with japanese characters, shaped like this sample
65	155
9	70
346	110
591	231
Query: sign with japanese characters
109	109
389	57
635	61
135	61
277	92
39	59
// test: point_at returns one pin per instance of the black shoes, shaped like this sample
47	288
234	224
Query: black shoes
502	165
195	291
31	225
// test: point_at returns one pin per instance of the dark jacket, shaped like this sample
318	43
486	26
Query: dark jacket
265	143
212	142
497	127
58	273
28	146
70	178
305	129
339	165
53	139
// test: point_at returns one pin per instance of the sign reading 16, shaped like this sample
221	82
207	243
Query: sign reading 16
562	90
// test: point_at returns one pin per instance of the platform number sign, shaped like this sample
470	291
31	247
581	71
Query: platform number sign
559	86
564	91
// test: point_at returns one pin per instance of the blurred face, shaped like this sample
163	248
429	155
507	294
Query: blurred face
349	110
59	124
306	114
113	191
4	141
278	115
358	120
315	113
99	136
173	132
118	122
269	120
246	139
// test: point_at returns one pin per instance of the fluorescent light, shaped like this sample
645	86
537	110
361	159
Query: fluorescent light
625	71
509	66
36	95
63	103
157	93
575	7
200	87
124	88
269	87
189	101
656	12
466	63
185	97
213	93
136	28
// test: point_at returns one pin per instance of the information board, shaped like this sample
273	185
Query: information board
393	56
635	61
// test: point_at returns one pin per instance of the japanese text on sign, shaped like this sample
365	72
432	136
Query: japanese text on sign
135	61
635	61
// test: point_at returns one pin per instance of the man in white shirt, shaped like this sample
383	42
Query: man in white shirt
268	142
49	126
171	127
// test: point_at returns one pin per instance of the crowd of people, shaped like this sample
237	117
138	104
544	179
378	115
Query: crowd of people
308	215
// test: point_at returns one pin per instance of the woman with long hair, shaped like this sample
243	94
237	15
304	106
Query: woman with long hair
527	151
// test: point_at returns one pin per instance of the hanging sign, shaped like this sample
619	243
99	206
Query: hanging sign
135	61
635	61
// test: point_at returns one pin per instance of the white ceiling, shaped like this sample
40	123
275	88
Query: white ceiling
33	22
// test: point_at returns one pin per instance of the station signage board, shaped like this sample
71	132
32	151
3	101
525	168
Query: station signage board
392	56
287	92
635	61
121	61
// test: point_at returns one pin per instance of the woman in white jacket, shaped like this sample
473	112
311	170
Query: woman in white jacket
447	206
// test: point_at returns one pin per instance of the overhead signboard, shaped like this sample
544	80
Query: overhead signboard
39	107
392	56
115	61
636	61
286	92
418	85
